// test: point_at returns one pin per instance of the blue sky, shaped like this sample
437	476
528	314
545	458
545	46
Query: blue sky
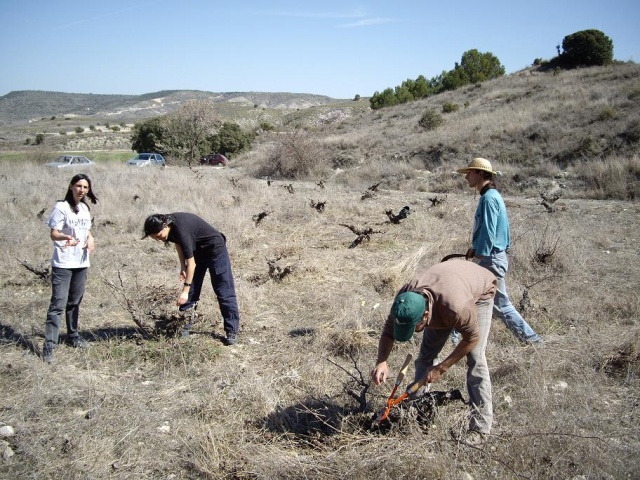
335	48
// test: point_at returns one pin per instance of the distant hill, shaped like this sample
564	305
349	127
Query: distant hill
21	106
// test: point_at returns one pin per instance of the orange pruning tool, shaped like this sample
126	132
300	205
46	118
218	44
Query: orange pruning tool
392	402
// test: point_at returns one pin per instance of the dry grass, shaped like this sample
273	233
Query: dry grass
292	400
282	403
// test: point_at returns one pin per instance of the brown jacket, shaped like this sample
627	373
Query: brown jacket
452	289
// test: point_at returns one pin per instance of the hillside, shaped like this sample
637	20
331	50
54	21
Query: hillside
579	128
22	106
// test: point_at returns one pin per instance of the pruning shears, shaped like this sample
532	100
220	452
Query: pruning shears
391	401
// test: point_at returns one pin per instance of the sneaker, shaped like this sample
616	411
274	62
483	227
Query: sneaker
186	331
47	354
232	338
188	306
538	341
471	438
475	438
79	342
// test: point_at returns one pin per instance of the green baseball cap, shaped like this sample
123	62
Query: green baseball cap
408	309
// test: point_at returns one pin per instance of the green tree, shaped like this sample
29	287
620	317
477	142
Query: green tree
231	139
147	136
188	130
403	92
480	67
385	99
474	67
455	78
39	138
436	84
586	47
420	87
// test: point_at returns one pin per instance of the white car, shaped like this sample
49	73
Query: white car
64	161
147	159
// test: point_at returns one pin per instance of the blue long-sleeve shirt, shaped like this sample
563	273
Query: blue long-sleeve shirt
491	225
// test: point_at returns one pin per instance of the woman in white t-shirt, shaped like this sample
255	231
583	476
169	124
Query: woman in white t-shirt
70	224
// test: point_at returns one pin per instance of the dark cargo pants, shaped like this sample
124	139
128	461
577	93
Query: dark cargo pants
223	286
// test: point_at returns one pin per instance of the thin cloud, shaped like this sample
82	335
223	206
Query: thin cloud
365	22
361	18
335	15
105	15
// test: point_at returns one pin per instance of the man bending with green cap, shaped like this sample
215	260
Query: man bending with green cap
454	294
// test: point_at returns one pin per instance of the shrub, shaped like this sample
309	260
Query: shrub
634	94
92	128
613	178
295	156
356	98
39	138
27	141
430	120
632	133
606	113
344	160
78	129
115	128
448	107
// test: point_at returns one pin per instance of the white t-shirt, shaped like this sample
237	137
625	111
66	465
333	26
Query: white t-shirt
62	218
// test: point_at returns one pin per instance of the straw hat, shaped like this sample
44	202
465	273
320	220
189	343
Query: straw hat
478	164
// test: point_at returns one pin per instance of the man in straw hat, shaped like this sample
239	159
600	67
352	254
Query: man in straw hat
491	238
454	294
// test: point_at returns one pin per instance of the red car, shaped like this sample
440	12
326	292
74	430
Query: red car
214	159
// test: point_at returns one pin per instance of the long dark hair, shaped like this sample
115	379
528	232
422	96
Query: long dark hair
156	222
69	196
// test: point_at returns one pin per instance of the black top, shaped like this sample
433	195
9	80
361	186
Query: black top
197	238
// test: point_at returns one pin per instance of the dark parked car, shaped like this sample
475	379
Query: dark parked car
214	159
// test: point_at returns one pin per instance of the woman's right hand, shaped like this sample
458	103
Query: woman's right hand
71	242
183	298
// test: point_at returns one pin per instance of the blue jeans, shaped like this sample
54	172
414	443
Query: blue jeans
223	286
67	290
498	264
478	379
